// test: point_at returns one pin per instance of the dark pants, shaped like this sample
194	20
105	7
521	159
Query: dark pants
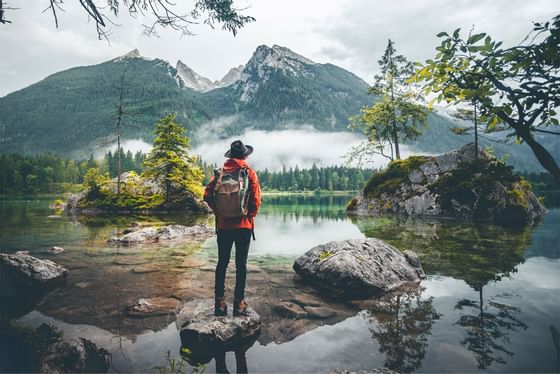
242	240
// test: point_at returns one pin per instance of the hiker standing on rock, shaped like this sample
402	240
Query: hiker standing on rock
234	194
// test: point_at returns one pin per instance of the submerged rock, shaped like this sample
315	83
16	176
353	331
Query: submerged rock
456	184
55	250
359	267
165	233
290	310
25	270
370	371
153	306
200	327
75	356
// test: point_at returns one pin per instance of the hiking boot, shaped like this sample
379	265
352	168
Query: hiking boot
220	307
240	308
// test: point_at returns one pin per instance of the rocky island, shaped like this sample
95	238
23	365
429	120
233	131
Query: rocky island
466	184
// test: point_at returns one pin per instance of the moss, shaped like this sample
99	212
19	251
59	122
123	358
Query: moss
325	255
388	180
352	204
473	184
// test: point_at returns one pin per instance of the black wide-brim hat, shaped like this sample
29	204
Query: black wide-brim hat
239	150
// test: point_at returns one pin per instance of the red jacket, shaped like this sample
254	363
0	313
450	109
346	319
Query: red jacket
245	222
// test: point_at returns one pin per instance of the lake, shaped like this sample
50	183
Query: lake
490	301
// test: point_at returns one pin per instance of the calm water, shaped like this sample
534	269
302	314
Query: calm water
490	303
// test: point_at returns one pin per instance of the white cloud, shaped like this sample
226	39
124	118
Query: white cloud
352	35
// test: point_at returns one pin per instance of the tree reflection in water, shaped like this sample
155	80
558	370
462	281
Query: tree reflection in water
404	322
488	328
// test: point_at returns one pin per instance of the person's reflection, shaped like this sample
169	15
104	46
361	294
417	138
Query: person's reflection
199	356
240	360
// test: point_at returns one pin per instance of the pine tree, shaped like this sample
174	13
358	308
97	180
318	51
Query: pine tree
170	161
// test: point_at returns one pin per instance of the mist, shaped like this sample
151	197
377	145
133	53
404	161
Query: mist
290	147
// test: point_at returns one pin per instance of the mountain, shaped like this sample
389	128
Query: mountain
74	110
72	113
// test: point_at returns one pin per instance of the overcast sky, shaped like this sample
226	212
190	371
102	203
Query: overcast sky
348	33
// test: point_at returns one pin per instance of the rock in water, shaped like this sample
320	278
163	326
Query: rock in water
170	232
25	270
75	356
153	306
455	185
200	327
359	267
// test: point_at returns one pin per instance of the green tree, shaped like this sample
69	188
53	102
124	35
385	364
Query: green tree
170	162
158	13
517	89
396	115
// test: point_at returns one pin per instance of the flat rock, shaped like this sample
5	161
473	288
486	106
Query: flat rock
173	232
153	306
305	300
31	271
358	267
370	371
319	312
146	235
289	310
200	327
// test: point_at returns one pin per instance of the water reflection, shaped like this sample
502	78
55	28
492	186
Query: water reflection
475	253
488	326
403	324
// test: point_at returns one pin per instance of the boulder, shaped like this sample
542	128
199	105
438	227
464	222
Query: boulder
153	306
26	270
452	185
75	356
359	267
199	326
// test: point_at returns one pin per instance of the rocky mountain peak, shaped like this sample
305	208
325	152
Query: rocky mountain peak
135	53
232	76
278	57
192	79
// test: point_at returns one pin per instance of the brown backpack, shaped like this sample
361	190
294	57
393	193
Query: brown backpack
231	192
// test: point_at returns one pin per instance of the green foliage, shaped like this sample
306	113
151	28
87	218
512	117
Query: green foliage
473	184
170	161
324	255
331	178
517	89
388	180
395	116
40	173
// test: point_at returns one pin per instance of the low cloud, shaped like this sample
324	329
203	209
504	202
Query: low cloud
303	147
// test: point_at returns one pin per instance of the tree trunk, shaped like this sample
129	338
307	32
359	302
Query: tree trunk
475	132
396	140
544	157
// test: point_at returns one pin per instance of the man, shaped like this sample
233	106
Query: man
236	230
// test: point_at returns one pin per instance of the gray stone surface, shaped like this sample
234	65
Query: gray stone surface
55	250
29	270
165	233
359	267
199	326
420	196
320	312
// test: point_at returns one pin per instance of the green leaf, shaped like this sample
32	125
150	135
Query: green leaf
475	38
441	34
456	33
